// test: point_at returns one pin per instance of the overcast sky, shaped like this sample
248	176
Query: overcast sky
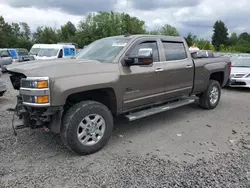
196	16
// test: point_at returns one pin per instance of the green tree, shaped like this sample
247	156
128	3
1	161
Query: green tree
67	32
233	39
6	38
244	36
25	29
105	24
191	39
220	35
166	30
45	35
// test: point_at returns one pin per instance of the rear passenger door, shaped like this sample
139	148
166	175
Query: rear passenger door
179	69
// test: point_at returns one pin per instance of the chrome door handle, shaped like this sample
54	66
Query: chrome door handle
159	70
189	66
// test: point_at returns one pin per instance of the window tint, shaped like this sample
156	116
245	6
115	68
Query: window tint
174	51
148	44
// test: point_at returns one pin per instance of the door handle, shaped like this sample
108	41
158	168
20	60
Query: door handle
159	70
189	66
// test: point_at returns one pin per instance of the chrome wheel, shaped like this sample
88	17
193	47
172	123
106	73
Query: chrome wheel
214	95
91	129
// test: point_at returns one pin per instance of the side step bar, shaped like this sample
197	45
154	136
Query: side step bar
159	109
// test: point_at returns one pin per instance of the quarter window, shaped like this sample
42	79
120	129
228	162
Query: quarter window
174	51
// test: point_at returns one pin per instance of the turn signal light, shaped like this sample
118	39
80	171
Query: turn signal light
42	84
42	99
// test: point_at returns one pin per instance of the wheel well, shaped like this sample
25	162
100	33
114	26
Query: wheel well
105	96
218	76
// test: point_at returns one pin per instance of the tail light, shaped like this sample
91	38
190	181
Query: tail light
230	66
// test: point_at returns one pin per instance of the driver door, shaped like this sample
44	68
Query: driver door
143	85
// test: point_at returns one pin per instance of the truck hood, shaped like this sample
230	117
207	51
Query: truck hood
62	68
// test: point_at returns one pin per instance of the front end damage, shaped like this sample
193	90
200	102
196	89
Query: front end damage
33	107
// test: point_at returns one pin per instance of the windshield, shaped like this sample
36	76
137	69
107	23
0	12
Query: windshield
103	50
34	51
22	52
240	62
48	52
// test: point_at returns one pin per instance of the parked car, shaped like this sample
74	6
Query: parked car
3	86
23	54
55	51
5	59
135	76
240	74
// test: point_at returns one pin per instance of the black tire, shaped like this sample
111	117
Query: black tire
205	96
71	121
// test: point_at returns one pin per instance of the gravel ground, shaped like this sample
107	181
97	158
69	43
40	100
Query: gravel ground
185	147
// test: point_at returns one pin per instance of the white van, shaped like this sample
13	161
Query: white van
54	51
35	49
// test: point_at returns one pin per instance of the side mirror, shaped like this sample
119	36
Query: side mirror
145	57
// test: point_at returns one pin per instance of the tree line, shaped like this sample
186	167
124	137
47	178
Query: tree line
105	24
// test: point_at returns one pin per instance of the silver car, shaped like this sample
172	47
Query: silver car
5	59
240	73
3	87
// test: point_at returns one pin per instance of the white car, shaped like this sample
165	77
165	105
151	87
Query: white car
240	73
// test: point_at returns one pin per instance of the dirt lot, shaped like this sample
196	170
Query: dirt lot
185	147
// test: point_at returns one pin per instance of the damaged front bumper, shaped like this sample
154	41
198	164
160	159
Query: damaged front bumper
38	117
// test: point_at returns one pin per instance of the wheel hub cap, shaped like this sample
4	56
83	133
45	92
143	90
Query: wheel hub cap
91	129
214	95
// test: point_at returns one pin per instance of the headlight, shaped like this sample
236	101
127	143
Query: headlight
33	82
35	91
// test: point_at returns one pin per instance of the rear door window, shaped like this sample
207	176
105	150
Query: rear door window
174	51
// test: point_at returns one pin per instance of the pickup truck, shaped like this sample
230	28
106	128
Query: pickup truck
133	75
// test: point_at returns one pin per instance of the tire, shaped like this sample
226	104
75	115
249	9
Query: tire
205	99
71	129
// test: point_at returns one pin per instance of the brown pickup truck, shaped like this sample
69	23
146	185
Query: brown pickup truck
135	76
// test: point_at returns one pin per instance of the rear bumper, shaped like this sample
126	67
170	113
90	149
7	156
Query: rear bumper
39	117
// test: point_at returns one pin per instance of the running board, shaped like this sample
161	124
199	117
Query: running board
159	109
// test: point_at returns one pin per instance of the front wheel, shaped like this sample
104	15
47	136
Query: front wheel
210	98
87	127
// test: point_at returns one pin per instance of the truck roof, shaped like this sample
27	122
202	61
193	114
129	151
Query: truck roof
163	37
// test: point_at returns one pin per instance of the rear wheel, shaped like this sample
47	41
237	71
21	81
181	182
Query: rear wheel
210	98
87	127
